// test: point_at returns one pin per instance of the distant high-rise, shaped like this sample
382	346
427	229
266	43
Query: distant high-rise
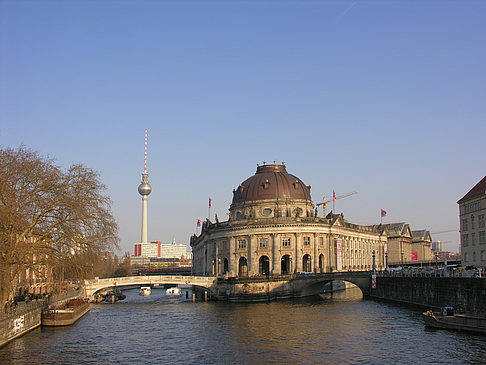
144	189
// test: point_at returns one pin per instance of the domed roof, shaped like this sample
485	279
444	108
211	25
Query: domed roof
271	182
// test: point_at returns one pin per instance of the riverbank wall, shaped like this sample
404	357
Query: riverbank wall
25	317
465	294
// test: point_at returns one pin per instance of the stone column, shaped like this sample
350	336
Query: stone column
232	257
276	265
251	255
298	253
316	254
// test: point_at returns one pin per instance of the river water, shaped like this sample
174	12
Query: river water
342	329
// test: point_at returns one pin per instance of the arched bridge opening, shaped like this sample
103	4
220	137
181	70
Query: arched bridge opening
93	286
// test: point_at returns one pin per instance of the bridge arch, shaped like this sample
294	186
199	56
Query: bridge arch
93	286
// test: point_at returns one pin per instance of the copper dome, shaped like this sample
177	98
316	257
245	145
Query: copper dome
271	182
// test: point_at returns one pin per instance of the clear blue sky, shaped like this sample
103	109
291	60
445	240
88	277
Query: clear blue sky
386	98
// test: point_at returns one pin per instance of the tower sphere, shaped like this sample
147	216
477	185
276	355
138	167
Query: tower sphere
144	189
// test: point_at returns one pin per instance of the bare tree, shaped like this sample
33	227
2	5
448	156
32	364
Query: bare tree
49	216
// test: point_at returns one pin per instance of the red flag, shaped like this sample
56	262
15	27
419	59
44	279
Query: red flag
209	202
334	196
383	213
199	223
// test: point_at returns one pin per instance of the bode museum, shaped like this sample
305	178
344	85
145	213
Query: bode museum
274	229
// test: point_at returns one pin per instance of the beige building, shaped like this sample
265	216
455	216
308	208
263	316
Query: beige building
421	246
405	246
472	212
273	229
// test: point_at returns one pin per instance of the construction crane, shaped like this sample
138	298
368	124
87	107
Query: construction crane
448	231
324	201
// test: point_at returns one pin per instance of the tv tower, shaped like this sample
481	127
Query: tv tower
144	189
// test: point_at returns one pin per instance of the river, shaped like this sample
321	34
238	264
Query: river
342	329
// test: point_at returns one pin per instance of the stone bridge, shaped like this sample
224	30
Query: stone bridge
244	288
92	286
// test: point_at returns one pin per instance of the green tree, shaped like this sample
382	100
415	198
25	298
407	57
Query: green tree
50	216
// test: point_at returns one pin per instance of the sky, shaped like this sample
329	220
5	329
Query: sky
385	98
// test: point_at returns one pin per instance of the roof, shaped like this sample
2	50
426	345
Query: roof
477	190
398	229
271	182
421	235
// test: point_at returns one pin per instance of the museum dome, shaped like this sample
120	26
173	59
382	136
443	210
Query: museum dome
271	182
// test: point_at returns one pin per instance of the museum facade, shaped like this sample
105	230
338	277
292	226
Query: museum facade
274	229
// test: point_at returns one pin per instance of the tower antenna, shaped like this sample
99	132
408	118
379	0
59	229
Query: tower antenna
145	158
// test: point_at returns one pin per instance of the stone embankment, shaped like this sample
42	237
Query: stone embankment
466	294
24	317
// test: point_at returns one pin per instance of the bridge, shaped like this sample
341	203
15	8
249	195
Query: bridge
92	286
242	288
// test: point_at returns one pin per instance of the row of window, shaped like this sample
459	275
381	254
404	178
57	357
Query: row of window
481	237
263	242
465	225
471	207
482	256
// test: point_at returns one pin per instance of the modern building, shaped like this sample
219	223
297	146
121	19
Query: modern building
156	249
472	211
274	229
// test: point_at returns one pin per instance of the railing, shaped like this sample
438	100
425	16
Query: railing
16	309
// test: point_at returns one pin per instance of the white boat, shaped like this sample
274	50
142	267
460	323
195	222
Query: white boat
173	292
145	291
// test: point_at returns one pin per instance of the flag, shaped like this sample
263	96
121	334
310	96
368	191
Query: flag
383	213
209	202
334	196
199	223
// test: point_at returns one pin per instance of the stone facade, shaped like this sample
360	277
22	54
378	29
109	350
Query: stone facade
472	213
273	229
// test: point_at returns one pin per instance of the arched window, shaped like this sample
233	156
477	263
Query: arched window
307	263
264	265
225	266
286	265
321	263
242	267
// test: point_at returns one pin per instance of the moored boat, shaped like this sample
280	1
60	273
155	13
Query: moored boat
458	322
173	292
145	291
65	315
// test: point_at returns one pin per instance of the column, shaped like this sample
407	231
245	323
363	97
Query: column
316	255
232	257
298	253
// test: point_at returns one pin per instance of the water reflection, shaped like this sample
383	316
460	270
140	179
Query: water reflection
338	329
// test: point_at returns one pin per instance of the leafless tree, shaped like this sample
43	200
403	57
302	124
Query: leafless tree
50	216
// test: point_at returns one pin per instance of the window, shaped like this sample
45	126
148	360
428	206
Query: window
225	245
473	239
482	238
483	255
464	224
472	221
307	241
286	242
241	243
466	257
263	242
321	241
480	220
465	240
474	256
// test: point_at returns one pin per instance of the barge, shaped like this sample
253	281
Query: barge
456	322
65	315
